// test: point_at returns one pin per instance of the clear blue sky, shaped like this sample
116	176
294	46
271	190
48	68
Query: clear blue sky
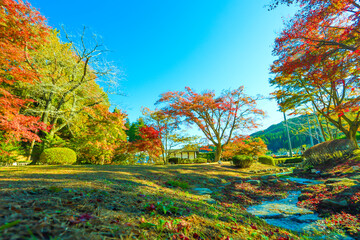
165	45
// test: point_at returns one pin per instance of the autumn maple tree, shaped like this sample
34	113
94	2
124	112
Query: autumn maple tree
149	142
170	133
318	58
244	145
219	118
22	29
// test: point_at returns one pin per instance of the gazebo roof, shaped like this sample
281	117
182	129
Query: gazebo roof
182	150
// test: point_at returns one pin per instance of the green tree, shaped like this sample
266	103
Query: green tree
67	82
133	132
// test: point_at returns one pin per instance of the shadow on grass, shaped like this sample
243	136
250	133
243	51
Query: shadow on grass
108	194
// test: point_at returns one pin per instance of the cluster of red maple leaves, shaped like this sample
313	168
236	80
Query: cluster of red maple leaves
22	28
318	62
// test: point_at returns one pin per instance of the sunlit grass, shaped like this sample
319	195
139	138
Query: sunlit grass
119	200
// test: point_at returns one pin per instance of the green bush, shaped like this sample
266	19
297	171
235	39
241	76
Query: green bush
8	151
200	160
242	161
288	160
58	156
330	150
187	160
268	160
124	159
210	156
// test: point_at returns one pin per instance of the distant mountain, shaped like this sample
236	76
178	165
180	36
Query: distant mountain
276	138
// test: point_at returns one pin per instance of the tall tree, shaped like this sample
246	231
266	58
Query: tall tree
149	142
217	117
133	132
99	137
318	61
66	83
168	127
22	28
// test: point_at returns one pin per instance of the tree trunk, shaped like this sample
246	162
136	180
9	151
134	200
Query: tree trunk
321	129
163	155
329	130
352	136
31	150
218	153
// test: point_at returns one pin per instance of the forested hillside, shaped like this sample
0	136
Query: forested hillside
275	136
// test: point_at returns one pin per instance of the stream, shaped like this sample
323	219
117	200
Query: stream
284	213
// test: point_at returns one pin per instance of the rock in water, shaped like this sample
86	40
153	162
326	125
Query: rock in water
254	182
202	191
334	203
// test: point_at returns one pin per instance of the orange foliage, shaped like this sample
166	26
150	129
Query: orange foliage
150	142
21	28
101	137
244	145
318	58
219	118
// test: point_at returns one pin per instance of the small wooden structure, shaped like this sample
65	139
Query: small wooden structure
183	153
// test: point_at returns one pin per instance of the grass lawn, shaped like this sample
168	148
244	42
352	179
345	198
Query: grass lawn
133	202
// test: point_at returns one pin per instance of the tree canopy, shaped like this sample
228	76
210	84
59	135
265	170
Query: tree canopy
318	60
219	118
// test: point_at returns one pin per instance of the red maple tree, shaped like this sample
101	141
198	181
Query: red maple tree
149	142
245	145
318	61
22	28
217	117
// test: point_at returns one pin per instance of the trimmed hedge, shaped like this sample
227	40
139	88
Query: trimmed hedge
187	161
200	160
242	161
58	156
268	160
210	156
335	149
288	160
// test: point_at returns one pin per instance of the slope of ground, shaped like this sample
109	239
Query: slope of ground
338	198
135	202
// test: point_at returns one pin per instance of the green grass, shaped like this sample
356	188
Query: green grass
181	184
128	202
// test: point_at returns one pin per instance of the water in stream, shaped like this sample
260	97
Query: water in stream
284	213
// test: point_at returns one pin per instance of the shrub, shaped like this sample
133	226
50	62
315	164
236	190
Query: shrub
288	160
185	161
357	152
268	160
329	150
58	156
123	159
199	160
244	145
8	151
242	161
210	156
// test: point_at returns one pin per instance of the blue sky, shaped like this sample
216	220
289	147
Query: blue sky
165	45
